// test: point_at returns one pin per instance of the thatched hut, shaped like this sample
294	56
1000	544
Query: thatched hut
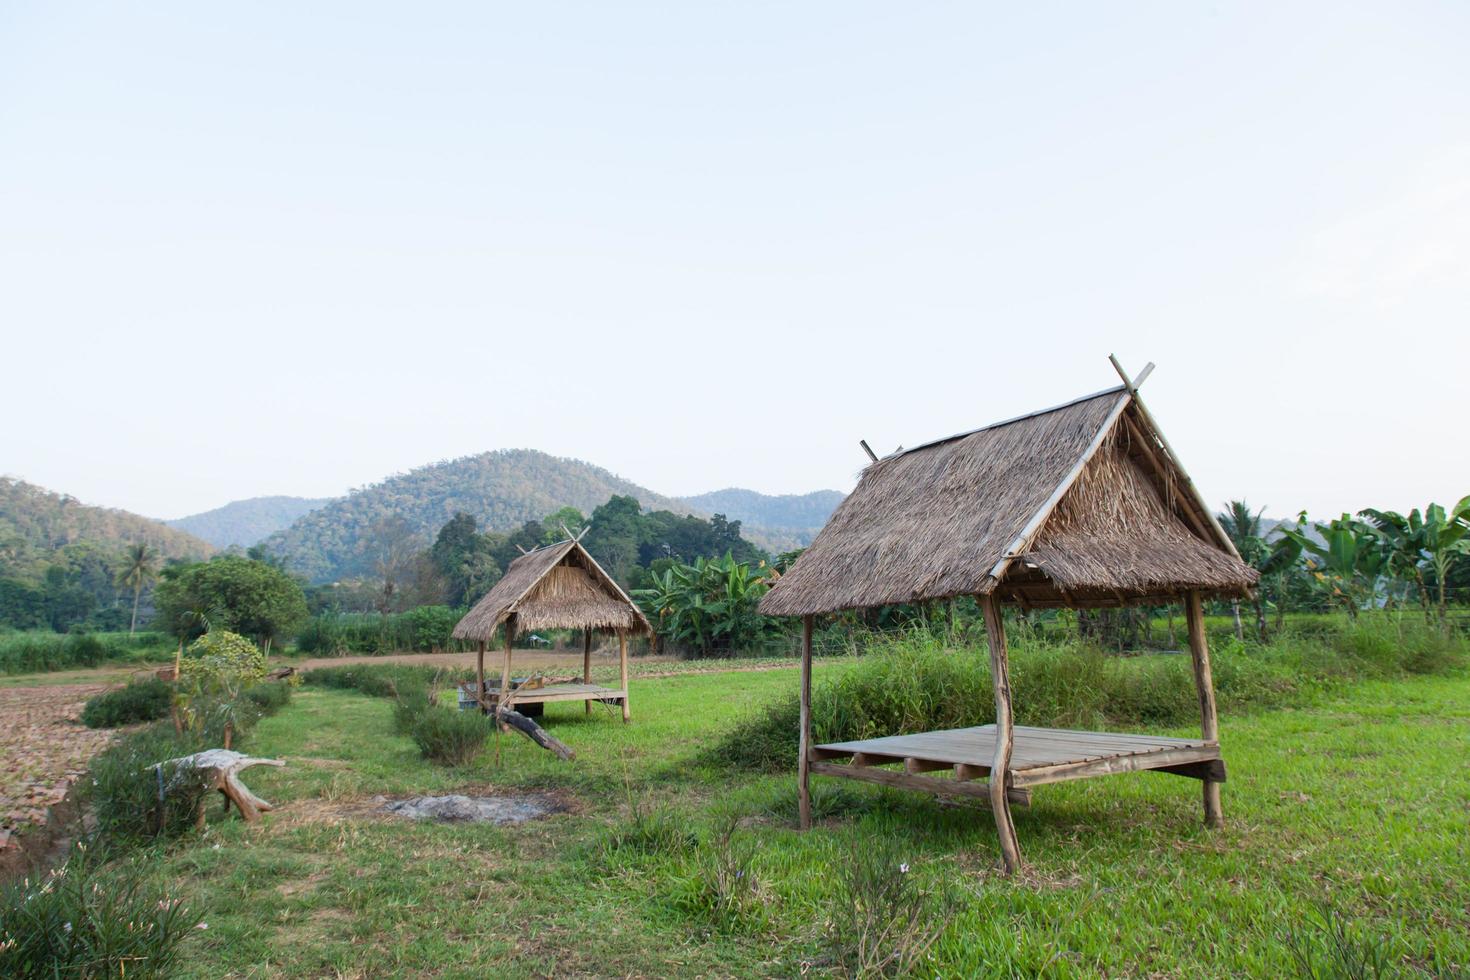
1082	505
559	586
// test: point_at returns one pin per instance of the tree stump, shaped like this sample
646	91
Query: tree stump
222	770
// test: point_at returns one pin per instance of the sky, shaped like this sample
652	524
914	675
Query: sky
281	248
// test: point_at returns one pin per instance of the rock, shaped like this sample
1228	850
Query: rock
474	809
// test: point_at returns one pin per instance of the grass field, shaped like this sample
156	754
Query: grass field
1354	810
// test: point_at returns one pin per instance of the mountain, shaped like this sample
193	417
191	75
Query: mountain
501	489
35	523
790	518
246	522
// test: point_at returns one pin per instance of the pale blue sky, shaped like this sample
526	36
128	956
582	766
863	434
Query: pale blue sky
293	248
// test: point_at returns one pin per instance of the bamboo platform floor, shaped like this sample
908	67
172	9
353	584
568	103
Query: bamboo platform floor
1038	756
571	691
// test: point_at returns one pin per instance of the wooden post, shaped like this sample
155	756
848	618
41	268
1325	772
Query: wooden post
803	761
587	664
1204	683
505	699
1000	766
623	671
480	678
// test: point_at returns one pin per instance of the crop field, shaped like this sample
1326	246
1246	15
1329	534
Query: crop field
1345	849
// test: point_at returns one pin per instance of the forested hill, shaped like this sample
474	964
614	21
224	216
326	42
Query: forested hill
799	516
501	490
246	522
36	523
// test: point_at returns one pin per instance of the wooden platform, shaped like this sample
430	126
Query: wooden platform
1039	756
572	691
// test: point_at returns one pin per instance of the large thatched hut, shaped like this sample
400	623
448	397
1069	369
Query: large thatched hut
1082	505
559	586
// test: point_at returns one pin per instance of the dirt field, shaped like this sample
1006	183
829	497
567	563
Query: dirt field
44	748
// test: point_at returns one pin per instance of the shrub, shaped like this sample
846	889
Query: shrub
449	736
382	680
124	789
221	656
268	696
81	922
883	923
721	886
146	700
647	830
425	629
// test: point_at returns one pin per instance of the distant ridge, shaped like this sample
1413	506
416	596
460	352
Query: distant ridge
247	522
793	519
36	522
501	489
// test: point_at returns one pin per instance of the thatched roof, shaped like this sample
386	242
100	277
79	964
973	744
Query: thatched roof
1082	505
559	586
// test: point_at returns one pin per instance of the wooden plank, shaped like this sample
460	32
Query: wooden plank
924	765
1111	765
923	784
803	764
1204	683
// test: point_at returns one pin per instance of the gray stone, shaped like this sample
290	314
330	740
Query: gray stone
474	809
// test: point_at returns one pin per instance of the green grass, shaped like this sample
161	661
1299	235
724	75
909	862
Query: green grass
1357	804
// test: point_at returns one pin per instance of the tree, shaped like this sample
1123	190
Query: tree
139	569
709	605
233	593
1438	538
465	560
1244	530
1349	562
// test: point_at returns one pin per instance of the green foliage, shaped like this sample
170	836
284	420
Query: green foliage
146	700
1328	946
237	594
220	657
884	923
23	653
447	736
268	697
708	606
646	830
425	629
123	789
465	559
82	921
382	680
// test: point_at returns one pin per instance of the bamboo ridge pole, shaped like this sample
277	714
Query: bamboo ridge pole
803	764
1204	683
1000	676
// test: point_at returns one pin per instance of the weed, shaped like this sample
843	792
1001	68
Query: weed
721	886
883	923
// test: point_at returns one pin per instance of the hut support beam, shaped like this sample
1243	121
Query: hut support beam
623	672
803	763
587	665
1000	767
505	692
1199	651
480	676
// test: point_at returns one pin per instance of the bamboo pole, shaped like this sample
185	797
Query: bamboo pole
505	698
480	678
1000	776
587	664
623	671
803	762
1204	683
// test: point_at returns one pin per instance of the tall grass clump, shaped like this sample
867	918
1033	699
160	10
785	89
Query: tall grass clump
915	682
425	629
136	796
883	923
720	886
34	652
79	921
381	680
145	700
448	736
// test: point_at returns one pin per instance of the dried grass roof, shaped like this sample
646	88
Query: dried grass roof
559	586
1077	505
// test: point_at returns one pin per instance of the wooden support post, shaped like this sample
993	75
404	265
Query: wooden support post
623	671
504	702
1000	767
480	679
587	664
803	762
1204	683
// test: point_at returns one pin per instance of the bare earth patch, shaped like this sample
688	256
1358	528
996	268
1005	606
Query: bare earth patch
44	749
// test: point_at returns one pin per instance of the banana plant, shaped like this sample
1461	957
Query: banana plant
1437	538
1349	562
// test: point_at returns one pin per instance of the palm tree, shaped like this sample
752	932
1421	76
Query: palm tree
1244	530
139	569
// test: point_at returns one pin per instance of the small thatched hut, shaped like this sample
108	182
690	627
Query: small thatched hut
1082	505
559	586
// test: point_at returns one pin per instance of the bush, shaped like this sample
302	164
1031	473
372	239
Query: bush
383	680
721	886
124	787
268	696
449	736
220	656
79	922
146	700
